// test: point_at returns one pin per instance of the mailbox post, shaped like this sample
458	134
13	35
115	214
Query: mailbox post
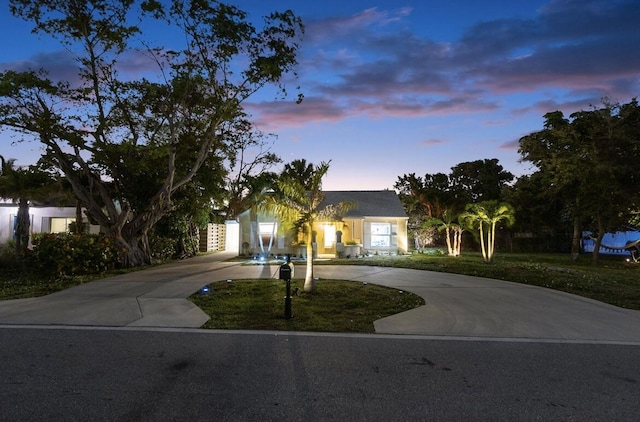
285	274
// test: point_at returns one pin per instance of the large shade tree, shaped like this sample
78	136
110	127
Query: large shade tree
151	133
479	180
541	212
592	159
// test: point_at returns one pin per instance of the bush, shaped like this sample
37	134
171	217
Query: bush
162	248
63	254
7	254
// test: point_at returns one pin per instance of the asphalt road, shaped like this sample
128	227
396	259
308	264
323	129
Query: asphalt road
52	374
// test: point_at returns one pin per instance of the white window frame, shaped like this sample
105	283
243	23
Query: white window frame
380	235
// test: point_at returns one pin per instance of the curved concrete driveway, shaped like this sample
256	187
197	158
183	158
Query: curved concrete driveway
456	305
465	306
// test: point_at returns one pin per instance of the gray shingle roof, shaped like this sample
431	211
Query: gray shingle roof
374	203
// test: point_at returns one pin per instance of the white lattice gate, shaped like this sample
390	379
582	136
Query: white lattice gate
213	238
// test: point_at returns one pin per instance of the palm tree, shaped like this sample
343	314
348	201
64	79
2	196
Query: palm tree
258	188
484	216
300	170
23	185
452	230
298	202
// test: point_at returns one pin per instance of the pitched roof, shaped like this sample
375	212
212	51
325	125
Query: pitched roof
374	203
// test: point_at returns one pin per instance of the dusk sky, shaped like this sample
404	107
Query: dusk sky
418	86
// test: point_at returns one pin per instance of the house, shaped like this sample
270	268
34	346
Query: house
377	225
44	219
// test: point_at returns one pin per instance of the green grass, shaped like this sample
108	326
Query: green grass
335	306
18	282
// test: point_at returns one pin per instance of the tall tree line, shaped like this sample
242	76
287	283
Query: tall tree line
586	178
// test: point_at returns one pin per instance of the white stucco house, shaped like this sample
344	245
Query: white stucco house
44	219
378	224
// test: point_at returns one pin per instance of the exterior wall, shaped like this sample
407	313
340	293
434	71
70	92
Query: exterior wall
403	234
352	230
232	236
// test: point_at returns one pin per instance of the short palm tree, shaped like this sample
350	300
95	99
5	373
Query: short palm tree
298	203
453	231
484	216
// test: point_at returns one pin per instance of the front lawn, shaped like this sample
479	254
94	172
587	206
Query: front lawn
335	306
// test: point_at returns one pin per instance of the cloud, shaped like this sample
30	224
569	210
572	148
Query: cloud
60	65
272	115
512	145
370	64
138	62
570	44
432	142
319	31
375	67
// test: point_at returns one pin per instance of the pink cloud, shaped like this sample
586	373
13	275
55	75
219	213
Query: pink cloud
322	30
432	142
579	50
277	114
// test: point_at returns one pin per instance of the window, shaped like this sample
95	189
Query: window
380	235
60	224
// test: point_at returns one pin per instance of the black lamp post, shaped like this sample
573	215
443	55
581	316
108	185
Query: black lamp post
285	274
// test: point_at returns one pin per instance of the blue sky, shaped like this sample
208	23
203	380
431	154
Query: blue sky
418	86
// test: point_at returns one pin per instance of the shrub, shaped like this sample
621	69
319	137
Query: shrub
7	254
162	248
64	254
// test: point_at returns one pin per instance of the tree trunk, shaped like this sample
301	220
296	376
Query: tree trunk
309	282
79	225
449	245
596	247
23	225
575	242
482	244
133	249
194	238
491	241
457	241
